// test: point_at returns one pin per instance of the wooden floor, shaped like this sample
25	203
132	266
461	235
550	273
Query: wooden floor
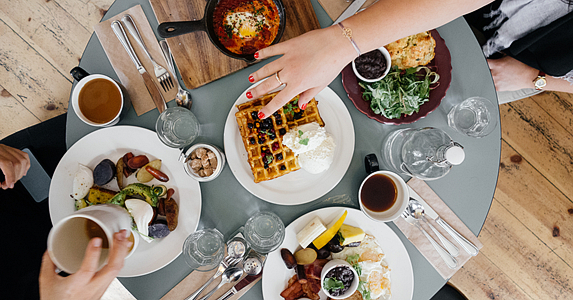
528	234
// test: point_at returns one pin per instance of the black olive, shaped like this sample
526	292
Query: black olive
266	166
266	126
276	114
322	253
280	156
282	131
261	141
255	115
253	141
279	121
355	244
298	115
250	125
283	167
334	245
335	248
272	136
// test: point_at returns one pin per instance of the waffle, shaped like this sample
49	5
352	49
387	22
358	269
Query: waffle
267	156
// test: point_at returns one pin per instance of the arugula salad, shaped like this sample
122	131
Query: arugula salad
400	92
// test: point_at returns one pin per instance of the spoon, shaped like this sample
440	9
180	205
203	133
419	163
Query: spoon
230	275
417	211
235	251
183	98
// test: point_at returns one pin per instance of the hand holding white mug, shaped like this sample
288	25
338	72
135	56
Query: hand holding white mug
14	164
88	282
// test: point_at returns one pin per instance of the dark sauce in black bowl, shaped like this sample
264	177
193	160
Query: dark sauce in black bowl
343	274
371	65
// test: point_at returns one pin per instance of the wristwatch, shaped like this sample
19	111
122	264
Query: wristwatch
540	82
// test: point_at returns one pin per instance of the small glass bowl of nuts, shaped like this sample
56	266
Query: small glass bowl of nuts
204	162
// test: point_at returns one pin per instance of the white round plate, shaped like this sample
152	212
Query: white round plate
113	143
276	275
300	186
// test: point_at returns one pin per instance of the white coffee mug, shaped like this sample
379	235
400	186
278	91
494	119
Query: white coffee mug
69	238
83	78
402	197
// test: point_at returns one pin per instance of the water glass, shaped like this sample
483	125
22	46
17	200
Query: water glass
473	117
177	127
203	250
264	231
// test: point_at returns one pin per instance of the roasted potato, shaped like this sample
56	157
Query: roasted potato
143	176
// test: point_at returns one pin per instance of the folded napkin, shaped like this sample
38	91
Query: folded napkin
196	279
124	67
420	241
334	8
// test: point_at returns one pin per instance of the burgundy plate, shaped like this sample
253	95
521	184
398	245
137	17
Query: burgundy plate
442	64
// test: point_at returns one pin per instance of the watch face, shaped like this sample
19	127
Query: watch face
540	83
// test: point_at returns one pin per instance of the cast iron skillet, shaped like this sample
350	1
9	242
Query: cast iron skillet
171	29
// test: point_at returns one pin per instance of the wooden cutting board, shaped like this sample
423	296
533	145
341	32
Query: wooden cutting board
197	59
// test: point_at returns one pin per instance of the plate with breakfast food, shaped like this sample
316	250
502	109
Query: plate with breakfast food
294	156
338	253
419	76
130	167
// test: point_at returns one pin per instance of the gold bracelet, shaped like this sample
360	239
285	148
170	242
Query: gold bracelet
347	32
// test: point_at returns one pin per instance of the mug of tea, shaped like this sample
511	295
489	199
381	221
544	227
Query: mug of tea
97	99
69	238
383	196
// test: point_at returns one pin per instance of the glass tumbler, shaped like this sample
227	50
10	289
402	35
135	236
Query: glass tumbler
264	231
177	127
473	117
203	250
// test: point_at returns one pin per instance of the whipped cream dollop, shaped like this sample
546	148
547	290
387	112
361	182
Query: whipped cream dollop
313	146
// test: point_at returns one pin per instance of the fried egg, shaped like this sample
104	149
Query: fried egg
374	269
83	181
244	24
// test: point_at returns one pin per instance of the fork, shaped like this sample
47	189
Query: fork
450	261
183	98
160	72
227	262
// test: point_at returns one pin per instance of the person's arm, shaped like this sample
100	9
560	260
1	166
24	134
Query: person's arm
14	164
510	74
311	61
87	282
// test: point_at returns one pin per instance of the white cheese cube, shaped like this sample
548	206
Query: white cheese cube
311	231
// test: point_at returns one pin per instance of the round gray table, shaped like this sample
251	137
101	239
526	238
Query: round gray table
468	189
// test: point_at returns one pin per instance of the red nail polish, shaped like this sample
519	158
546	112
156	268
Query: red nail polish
261	115
303	107
256	55
251	78
249	95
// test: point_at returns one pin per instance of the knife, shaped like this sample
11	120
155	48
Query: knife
450	261
430	212
350	10
149	83
239	286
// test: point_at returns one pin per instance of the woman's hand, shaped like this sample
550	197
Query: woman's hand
510	74
88	282
14	164
308	64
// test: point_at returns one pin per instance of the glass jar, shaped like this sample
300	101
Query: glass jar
426	153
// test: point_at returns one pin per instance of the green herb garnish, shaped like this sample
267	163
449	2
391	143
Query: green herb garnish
353	260
303	142
331	284
269	159
400	92
364	290
300	133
